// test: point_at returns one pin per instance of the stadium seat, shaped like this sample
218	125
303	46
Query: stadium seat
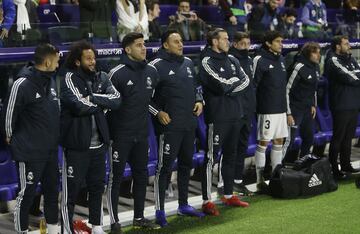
8	176
63	35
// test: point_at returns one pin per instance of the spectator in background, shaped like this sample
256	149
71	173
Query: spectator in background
187	23
95	18
263	17
314	19
132	18
351	17
287	26
153	8
235	12
7	15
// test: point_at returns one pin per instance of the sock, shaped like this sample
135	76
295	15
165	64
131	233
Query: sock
138	219
97	229
220	184
52	228
260	162
228	196
276	155
207	201
238	181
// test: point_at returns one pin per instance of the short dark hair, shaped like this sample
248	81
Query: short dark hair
76	51
42	51
180	1
290	12
337	41
240	35
166	35
151	4
213	34
308	48
270	36
130	38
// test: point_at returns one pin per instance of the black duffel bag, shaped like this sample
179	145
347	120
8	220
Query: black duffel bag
309	176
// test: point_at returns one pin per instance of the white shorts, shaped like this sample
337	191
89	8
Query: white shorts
272	126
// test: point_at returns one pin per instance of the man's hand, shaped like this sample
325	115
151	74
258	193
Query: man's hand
198	108
163	118
4	33
233	20
290	120
193	16
7	140
313	112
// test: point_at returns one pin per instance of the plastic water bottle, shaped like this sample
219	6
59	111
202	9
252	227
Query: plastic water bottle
42	225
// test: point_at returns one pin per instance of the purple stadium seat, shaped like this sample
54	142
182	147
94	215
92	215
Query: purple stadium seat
8	176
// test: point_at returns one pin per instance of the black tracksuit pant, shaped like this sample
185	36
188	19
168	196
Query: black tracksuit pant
30	174
304	123
172	145
133	150
225	137
245	130
88	165
344	127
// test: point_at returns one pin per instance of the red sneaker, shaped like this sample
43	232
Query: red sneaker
234	201
81	227
209	208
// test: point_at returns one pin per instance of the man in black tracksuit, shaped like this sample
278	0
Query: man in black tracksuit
343	73
85	94
32	120
301	99
222	79
176	103
135	80
240	50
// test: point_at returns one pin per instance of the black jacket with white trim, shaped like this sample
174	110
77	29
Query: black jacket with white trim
223	80
135	81
84	96
302	85
343	74
32	116
270	81
176	92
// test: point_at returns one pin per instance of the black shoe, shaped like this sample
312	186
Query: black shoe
357	183
242	190
220	191
116	228
339	175
145	223
350	170
262	188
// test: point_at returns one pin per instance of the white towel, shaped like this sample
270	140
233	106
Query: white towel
22	22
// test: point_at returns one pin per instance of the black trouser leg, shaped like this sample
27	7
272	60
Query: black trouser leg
184	165
245	129
345	148
306	133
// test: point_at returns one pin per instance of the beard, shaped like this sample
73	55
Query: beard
87	71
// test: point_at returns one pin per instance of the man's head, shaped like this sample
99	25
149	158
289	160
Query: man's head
153	8
82	55
241	41
340	45
273	41
290	15
184	6
172	42
273	4
218	39
46	57
134	46
311	51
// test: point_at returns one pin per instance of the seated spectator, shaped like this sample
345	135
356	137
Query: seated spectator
153	9
95	18
287	25
132	18
187	23
314	19
7	15
351	17
235	12
263	17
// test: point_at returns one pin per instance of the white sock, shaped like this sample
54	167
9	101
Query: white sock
259	162
220	184
97	230
276	155
238	181
228	196
52	228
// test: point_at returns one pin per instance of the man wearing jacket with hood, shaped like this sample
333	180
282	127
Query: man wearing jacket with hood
301	99
85	95
32	120
222	80
176	104
270	82
135	80
343	73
